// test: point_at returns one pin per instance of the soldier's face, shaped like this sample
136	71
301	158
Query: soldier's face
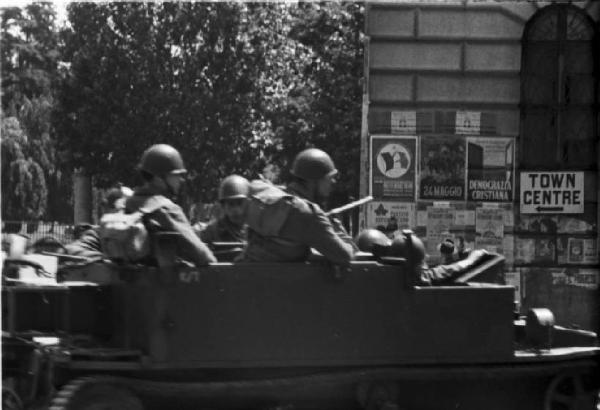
175	181
325	186
235	209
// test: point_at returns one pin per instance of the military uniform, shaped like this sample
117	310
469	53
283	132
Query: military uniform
87	245
222	230
171	218
283	226
446	274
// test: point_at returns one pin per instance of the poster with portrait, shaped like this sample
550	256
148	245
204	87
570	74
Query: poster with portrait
393	167
442	175
490	169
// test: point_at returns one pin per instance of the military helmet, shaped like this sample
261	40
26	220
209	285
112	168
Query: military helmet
410	248
369	238
234	186
161	160
313	164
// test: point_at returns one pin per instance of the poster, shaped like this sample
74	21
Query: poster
391	217
404	122
439	222
442	175
545	250
536	223
524	250
464	217
577	251
468	122
489	227
552	192
393	168
490	169
584	278
571	224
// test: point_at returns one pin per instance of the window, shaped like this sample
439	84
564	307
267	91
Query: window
559	90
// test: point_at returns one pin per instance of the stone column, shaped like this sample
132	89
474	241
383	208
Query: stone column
83	199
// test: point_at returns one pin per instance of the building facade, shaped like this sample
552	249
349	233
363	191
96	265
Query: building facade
480	124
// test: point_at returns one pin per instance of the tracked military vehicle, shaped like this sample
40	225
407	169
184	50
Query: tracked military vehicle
274	335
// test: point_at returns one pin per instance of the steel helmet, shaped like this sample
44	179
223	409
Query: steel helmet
412	248
161	160
369	238
234	186
313	164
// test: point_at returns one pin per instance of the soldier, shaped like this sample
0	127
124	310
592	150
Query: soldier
447	251
87	243
233	198
410	247
163	171
285	223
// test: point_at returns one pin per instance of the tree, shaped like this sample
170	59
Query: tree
333	32
24	191
234	86
30	59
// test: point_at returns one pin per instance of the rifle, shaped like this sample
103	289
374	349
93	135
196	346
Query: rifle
349	206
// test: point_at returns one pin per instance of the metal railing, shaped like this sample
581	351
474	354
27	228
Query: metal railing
36	230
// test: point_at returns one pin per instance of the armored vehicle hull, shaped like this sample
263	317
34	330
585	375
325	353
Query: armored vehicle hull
286	335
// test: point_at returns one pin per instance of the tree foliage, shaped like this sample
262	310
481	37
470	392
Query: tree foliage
233	85
24	192
30	72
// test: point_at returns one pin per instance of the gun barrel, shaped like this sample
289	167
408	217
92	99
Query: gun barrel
350	205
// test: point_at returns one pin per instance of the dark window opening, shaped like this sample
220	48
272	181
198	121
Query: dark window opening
559	90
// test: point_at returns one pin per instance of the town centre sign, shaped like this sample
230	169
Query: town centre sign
552	192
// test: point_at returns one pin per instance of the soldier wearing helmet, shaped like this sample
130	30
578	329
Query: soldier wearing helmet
231	226
162	169
409	246
284	223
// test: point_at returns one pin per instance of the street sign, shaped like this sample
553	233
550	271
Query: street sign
552	192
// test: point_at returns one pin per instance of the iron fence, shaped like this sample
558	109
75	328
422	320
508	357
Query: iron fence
36	230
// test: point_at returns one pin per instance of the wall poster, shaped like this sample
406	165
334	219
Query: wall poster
585	278
391	217
393	167
489	228
490	169
580	250
442	174
439	222
404	122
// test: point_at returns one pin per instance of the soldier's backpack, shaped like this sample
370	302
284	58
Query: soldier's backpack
124	237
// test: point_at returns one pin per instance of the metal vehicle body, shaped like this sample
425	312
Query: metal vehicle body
304	335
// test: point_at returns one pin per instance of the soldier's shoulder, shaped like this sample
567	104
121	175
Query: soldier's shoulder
305	206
